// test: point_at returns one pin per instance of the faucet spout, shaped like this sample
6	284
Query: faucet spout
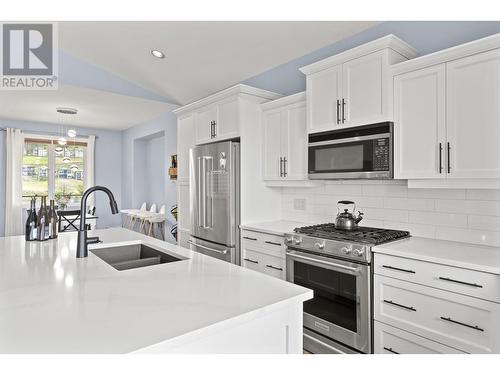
83	241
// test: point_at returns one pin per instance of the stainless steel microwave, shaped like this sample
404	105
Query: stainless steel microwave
352	153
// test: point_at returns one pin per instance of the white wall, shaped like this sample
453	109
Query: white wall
466	215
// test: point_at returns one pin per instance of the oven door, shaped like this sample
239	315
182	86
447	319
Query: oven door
356	157
340	308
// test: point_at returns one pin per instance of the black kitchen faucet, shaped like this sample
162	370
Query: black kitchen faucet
83	240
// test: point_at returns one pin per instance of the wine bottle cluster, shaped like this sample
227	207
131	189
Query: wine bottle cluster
41	226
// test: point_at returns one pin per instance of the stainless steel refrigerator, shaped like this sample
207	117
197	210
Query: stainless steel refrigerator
214	183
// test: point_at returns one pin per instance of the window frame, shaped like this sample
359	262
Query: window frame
51	141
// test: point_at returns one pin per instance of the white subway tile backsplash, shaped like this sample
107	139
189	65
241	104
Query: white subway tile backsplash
385	190
471	215
480	237
483	194
437	193
469	207
490	223
409	204
438	218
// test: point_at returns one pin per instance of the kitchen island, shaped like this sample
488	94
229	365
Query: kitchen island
52	302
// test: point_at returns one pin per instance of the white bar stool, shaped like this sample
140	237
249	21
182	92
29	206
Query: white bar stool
142	216
159	220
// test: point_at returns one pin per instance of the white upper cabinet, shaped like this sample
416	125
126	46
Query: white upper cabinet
352	88
285	139
364	90
447	117
217	122
324	93
420	129
473	116
204	120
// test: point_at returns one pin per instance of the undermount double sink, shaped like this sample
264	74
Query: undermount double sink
133	256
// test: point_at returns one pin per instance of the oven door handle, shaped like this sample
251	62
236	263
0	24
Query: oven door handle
325	262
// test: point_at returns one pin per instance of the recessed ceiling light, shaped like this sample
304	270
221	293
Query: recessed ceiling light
158	54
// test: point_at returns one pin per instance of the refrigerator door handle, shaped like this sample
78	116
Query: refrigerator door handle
207	248
202	193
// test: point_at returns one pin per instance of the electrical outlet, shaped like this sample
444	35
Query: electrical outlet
299	204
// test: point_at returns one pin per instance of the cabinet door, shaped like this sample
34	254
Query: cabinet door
272	145
364	89
227	125
419	124
473	116
203	118
294	134
185	140
323	91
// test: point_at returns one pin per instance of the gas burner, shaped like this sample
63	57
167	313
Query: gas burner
365	235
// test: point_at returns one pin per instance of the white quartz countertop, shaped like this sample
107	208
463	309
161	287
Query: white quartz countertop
279	227
457	254
52	302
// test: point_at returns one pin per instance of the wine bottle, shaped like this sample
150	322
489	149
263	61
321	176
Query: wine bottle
43	222
52	220
31	223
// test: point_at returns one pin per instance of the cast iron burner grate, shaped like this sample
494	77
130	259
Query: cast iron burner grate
374	236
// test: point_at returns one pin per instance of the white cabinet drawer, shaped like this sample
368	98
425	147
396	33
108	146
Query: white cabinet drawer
391	340
268	243
252	259
459	280
462	322
274	266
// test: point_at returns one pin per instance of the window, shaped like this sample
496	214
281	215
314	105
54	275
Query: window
58	174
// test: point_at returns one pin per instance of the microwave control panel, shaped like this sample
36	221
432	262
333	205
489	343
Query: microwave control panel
381	154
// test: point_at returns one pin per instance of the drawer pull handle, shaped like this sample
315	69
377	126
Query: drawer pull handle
399	305
250	238
460	282
273	243
390	350
251	261
398	269
462	324
274	268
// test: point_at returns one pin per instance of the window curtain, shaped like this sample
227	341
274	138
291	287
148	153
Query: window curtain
14	186
90	165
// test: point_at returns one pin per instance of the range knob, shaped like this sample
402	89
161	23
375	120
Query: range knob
298	241
346	250
358	252
319	245
288	240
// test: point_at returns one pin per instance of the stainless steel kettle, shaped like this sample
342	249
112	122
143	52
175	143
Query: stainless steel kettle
346	220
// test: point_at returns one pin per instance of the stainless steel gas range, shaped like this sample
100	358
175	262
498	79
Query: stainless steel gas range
336	265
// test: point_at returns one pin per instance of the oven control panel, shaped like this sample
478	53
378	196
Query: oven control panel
347	250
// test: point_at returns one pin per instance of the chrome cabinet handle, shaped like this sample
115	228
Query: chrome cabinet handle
338	111
449	162
274	268
399	305
343	110
215	129
462	324
460	282
281	166
207	248
390	350
284	167
250	238
397	269
440	157
273	243
211	129
251	261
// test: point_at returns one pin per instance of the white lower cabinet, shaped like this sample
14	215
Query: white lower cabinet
391	340
466	323
263	253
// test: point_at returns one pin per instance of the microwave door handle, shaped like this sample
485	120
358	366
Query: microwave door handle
327	263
